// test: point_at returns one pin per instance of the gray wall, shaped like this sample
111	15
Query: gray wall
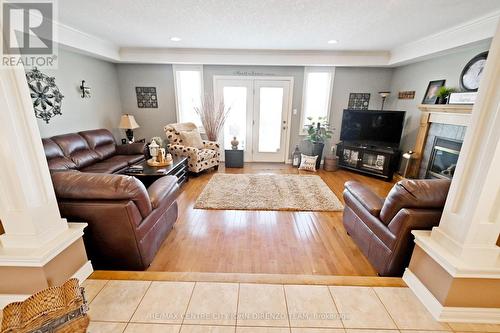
346	80
113	91
103	110
151	121
356	80
416	77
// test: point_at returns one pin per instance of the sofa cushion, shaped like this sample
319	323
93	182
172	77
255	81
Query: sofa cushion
106	166
191	139
101	141
77	149
132	159
55	156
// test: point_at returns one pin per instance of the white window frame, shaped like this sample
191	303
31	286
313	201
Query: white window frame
307	70
177	89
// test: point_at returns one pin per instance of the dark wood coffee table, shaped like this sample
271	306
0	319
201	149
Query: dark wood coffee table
149	174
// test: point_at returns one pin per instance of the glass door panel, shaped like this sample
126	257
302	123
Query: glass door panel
270	120
235	126
271	106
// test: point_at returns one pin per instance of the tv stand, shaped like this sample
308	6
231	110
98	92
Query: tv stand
373	158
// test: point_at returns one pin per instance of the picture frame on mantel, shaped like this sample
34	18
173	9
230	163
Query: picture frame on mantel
430	96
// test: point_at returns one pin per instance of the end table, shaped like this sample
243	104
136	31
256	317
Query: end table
233	158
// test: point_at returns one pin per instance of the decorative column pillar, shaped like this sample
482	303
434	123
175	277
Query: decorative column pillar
38	248
455	269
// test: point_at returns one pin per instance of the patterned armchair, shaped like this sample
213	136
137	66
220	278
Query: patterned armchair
198	159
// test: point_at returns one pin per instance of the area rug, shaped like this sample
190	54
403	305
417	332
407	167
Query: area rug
268	192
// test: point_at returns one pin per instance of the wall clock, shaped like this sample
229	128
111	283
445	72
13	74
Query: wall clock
45	95
472	72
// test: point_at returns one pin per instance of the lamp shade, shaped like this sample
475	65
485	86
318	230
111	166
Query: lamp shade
128	122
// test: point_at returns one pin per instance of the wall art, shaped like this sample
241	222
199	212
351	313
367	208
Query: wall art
146	97
45	95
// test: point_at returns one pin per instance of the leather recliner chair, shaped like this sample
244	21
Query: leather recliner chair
382	227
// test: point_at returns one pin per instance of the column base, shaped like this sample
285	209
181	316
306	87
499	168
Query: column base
449	313
25	272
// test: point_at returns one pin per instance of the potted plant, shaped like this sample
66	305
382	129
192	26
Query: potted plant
317	133
443	94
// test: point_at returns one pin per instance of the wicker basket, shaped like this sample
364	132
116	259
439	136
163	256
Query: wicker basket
55	309
331	163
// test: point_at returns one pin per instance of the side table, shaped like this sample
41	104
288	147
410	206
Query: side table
233	158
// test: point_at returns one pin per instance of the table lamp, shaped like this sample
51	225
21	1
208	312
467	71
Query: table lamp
128	123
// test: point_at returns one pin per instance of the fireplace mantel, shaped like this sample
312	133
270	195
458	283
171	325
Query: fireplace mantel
446	108
437	113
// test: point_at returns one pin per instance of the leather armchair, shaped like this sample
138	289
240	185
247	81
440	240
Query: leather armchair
198	159
127	223
382	227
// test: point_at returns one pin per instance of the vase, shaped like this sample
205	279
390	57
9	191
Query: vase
234	143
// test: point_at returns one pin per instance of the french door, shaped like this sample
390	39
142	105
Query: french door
259	115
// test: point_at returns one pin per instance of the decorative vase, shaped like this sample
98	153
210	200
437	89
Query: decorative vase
234	143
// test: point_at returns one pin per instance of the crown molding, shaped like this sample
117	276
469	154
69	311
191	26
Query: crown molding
253	57
443	42
81	42
447	40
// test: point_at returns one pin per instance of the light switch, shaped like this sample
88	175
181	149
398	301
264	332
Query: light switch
294	111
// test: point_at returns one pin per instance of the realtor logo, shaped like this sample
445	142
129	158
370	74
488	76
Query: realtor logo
28	34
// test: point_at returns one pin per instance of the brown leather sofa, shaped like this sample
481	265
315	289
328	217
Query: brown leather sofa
382	227
127	223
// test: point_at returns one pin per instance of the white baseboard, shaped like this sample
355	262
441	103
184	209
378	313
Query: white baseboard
84	272
446	313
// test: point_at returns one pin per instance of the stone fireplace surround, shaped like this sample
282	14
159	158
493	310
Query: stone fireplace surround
447	121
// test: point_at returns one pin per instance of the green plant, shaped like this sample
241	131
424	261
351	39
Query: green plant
318	131
444	92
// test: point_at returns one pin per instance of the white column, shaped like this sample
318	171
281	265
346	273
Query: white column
28	207
470	225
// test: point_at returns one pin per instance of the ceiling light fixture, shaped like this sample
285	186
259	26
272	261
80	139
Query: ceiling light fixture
332	41
175	39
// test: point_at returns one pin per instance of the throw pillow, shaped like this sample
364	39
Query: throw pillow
308	163
191	139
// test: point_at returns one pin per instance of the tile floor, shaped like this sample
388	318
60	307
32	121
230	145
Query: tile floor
189	307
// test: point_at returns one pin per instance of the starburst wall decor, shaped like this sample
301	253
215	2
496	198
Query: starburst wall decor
45	95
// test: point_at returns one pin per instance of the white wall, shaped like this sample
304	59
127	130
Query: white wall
416	77
102	110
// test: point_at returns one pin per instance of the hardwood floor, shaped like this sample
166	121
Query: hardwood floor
263	242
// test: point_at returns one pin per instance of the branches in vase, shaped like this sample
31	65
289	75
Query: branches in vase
213	116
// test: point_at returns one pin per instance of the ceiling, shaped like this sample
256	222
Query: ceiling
359	25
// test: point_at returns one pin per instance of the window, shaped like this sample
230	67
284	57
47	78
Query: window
188	82
317	94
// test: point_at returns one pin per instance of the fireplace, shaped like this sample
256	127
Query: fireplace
443	159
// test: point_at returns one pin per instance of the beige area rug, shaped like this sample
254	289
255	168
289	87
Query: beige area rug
268	192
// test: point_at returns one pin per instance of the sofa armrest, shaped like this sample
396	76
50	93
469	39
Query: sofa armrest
163	189
136	148
211	145
366	197
75	185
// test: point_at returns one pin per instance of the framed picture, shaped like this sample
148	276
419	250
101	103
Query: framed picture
430	96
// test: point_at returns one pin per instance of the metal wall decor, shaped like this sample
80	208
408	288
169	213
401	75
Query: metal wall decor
45	95
358	101
146	97
85	90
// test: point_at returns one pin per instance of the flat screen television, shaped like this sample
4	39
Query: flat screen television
372	126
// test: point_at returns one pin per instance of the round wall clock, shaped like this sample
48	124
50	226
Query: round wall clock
45	95
471	74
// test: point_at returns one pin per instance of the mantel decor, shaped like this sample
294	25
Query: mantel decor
45	95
